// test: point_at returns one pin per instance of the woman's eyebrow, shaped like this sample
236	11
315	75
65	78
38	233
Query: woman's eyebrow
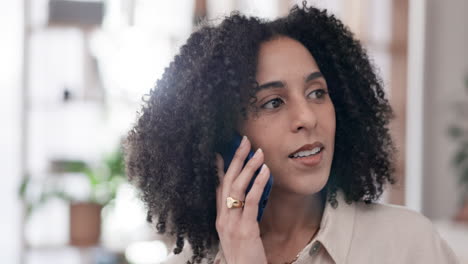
270	85
313	76
280	84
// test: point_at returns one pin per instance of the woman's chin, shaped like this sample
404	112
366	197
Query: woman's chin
305	188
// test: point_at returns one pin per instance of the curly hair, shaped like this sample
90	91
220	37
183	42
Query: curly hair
191	113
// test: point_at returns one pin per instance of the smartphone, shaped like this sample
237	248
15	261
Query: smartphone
228	155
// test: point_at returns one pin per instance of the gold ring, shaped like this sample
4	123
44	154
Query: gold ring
233	203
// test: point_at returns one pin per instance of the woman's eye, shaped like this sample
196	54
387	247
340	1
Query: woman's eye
273	103
317	94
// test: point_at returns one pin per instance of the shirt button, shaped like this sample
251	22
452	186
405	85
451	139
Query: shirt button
315	247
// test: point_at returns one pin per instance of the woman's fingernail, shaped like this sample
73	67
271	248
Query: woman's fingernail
263	169
259	150
244	140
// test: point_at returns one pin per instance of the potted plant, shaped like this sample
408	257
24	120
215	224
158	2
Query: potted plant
459	133
103	179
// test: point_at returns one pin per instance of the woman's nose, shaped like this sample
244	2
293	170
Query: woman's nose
303	116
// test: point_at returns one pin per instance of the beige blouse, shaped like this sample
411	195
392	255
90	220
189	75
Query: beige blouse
358	233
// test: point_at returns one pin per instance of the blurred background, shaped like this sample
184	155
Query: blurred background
73	73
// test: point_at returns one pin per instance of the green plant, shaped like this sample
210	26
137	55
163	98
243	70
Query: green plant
104	180
459	132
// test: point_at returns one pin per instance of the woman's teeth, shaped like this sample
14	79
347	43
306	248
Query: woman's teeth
306	153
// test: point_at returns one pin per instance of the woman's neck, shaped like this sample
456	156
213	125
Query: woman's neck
288	214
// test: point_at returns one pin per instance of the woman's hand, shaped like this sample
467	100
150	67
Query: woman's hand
238	229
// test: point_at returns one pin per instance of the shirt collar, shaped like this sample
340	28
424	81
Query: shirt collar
336	228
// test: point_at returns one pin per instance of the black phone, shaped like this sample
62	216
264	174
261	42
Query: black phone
228	155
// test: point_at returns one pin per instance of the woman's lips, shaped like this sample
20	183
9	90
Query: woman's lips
312	160
308	147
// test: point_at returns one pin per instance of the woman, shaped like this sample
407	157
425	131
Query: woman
303	94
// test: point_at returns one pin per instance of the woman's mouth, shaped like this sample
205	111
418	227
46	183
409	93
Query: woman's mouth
310	157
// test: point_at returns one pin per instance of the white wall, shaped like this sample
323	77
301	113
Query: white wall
445	70
11	28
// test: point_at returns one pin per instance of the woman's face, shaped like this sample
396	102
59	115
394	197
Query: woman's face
295	117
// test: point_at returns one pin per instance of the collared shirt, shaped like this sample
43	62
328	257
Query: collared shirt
360	233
